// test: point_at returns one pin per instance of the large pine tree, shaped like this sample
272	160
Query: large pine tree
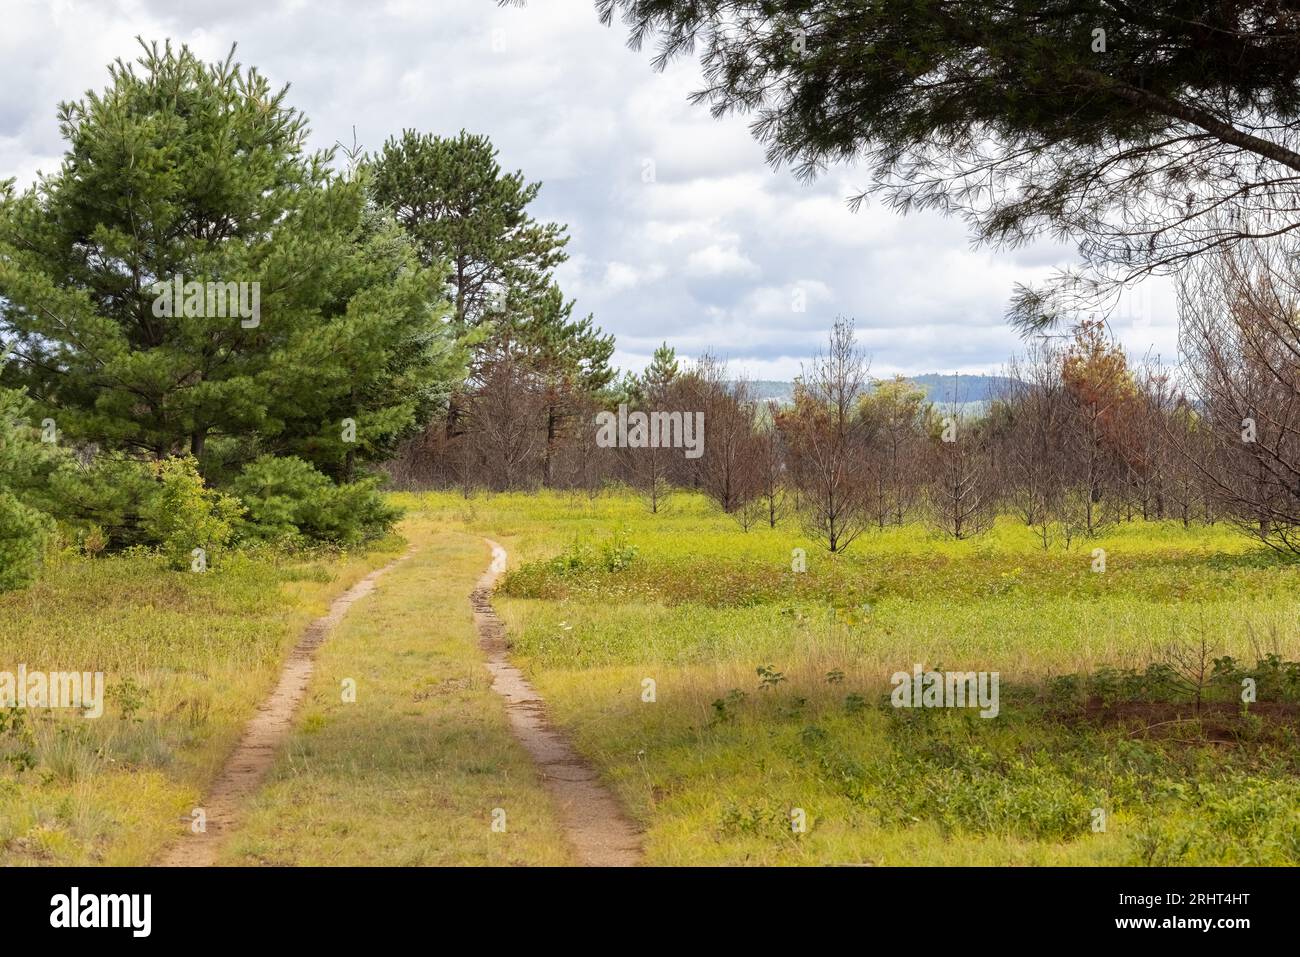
469	217
193	172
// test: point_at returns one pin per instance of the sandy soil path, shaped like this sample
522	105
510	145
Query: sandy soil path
592	818
264	735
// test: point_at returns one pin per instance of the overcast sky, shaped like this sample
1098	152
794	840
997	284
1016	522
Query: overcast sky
709	255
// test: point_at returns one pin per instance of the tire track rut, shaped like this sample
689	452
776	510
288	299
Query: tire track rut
264	735
592	817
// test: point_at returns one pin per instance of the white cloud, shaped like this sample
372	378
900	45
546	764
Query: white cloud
717	260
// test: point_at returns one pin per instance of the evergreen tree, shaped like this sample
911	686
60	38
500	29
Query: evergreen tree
661	373
25	465
462	211
469	218
187	173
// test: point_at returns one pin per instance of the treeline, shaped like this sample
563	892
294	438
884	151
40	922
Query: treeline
1077	439
211	335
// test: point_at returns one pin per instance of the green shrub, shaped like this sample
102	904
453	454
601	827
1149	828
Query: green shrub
110	496
24	463
187	515
286	499
23	534
616	554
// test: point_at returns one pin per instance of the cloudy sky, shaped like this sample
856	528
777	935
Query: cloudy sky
712	253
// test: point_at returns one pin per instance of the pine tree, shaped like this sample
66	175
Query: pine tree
1151	133
660	374
198	173
468	218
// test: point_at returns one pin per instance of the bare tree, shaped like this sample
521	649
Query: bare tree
773	496
1035	459
420	461
1152	463
961	492
647	473
1190	447
893	412
1240	344
580	463
827	442
505	422
1098	385
728	471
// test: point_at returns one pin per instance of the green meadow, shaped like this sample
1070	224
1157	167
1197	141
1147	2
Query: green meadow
741	708
186	658
738	706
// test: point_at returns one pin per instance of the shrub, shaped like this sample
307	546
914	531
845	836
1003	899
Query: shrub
286	499
24	462
109	496
23	533
187	515
615	555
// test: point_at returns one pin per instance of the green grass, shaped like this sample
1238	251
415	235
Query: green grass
411	772
770	699
603	595
186	659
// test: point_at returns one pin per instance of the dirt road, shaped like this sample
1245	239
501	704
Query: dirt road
592	818
263	736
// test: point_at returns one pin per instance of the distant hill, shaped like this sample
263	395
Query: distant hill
939	388
765	389
943	389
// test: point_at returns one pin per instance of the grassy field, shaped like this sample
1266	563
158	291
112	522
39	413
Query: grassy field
410	772
186	659
738	707
771	686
